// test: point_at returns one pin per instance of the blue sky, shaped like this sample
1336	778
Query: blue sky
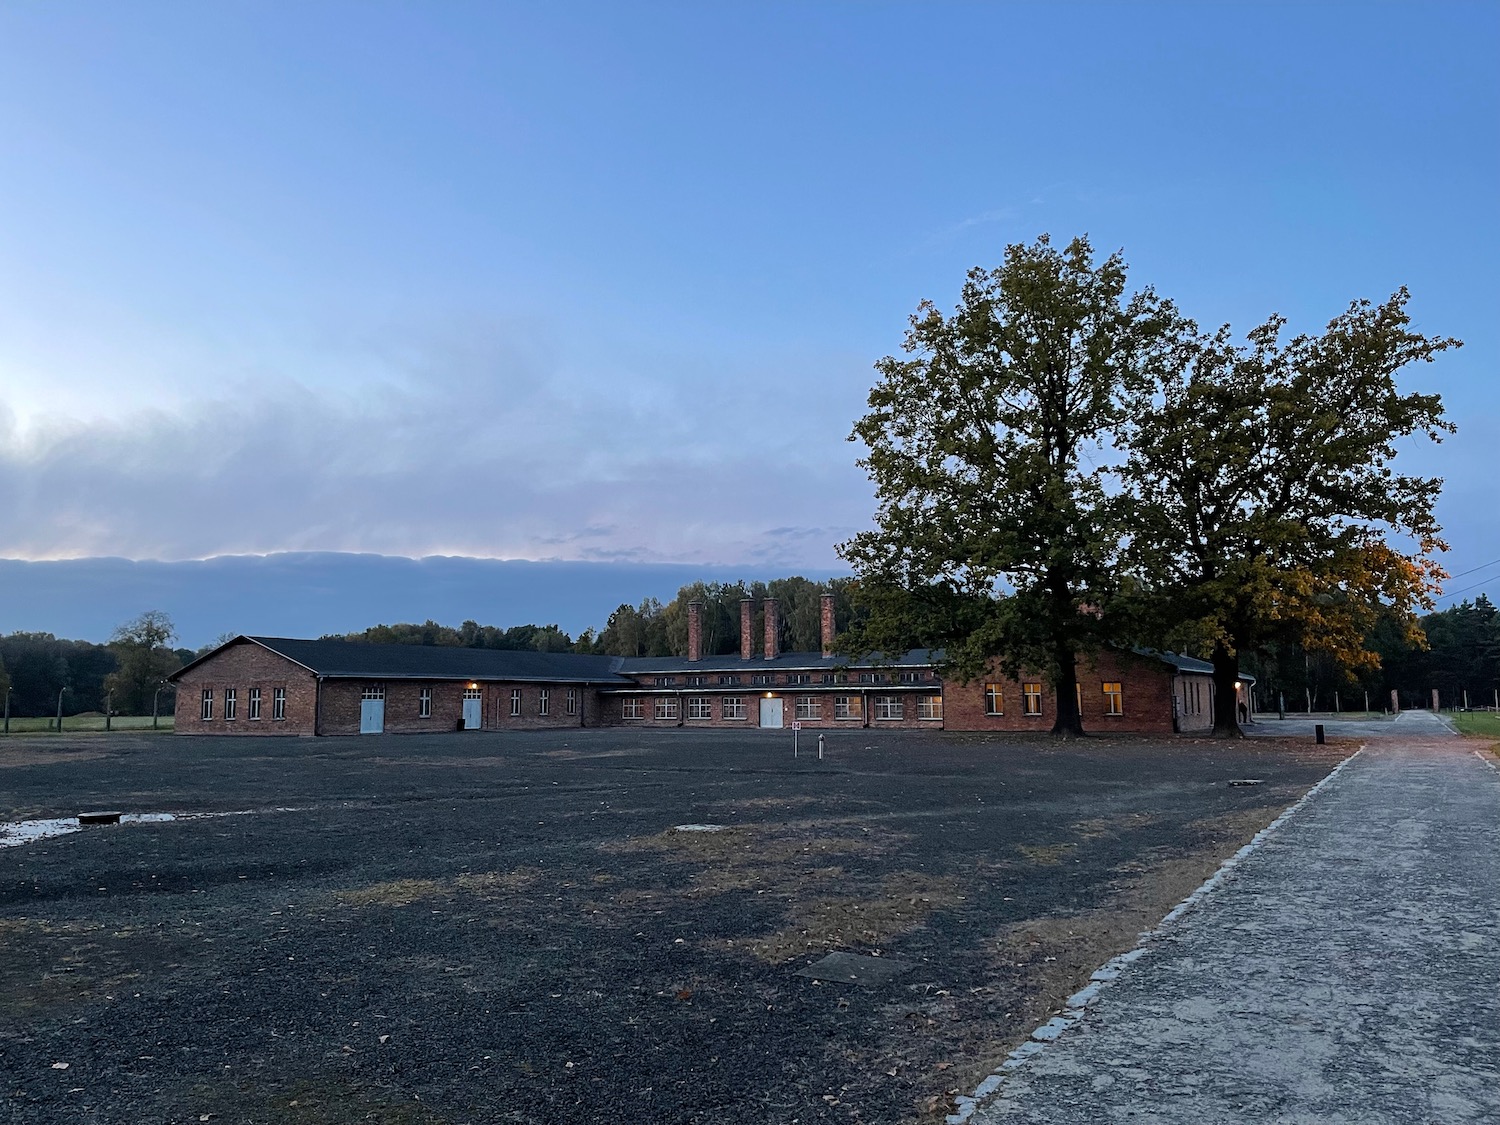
606	282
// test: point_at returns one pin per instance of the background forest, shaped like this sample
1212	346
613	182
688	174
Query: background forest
36	668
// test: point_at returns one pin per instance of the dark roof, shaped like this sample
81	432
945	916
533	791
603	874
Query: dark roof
431	662
1188	663
786	662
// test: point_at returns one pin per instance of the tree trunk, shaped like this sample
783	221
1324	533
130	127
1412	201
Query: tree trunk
1068	724
1226	693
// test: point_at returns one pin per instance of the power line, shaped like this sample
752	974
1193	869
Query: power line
1472	569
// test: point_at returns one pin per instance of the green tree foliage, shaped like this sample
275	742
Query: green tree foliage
470	634
1262	492
41	665
996	535
4	681
144	659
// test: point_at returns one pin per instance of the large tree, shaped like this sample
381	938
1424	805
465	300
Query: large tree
1264	503
996	535
145	658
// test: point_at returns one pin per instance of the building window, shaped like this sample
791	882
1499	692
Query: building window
889	707
929	706
208	704
229	707
700	707
800	678
760	681
695	681
1031	699
666	707
665	681
994	700
374	691
544	701
633	709
278	704
728	681
424	703
254	703
911	677
732	707
809	707
873	677
830	678
572	701
848	707
1114	699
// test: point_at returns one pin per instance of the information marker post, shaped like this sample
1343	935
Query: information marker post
796	730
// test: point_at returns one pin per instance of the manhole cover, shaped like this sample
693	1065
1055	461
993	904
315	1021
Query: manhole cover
101	817
850	968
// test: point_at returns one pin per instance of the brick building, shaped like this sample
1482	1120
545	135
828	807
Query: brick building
273	685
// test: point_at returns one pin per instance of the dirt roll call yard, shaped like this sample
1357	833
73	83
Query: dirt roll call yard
580	925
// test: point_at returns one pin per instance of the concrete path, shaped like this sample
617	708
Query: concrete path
1346	971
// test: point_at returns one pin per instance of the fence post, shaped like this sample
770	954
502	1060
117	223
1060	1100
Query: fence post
109	706
59	710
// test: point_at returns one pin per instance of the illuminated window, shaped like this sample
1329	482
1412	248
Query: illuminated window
848	707
1114	699
929	706
994	701
700	707
732	707
1031	699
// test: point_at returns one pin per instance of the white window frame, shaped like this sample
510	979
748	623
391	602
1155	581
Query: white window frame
1031	699
889	708
665	707
700	707
206	711
848	707
572	703
515	703
1114	701
633	708
252	705
231	707
424	703
733	707
930	707
278	705
544	702
809	707
994	699
373	691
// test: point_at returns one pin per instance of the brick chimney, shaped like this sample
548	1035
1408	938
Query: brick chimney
827	623
773	628
695	630
747	618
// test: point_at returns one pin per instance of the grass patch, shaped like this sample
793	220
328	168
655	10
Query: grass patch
1479	724
404	892
90	724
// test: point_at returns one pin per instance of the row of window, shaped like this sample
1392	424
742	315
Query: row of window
884	707
767	679
544	700
252	704
1192	697
1031	698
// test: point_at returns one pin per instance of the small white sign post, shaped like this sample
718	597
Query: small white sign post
796	729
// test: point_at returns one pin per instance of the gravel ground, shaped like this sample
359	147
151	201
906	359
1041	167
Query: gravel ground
509	928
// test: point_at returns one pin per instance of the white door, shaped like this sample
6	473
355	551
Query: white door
770	712
371	716
472	713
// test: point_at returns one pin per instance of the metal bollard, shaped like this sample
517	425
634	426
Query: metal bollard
820	747
1318	731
